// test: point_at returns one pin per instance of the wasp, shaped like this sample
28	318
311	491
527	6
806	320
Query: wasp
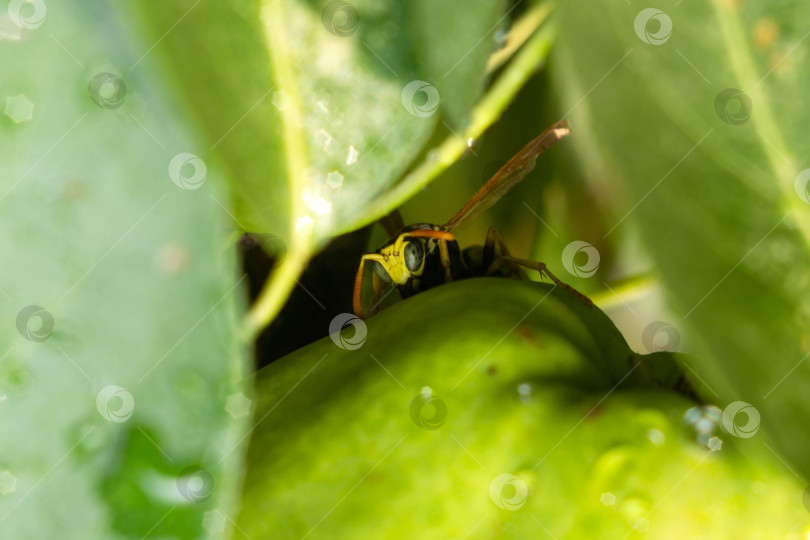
422	256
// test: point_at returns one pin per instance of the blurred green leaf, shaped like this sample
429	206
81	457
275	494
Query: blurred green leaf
119	303
409	421
215	55
696	108
526	62
328	101
452	41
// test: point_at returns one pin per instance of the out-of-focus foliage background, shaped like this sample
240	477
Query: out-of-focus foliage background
139	141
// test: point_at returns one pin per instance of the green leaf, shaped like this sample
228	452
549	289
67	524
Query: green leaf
118	300
712	177
311	118
530	58
214	55
409	421
453	41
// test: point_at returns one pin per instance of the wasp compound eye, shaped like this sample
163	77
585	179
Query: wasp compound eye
381	272
414	253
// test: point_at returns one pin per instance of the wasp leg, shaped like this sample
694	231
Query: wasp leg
494	251
444	255
376	300
357	297
542	269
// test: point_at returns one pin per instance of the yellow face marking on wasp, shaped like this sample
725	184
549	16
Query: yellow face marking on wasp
401	261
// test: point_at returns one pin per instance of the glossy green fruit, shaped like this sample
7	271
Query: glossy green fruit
490	409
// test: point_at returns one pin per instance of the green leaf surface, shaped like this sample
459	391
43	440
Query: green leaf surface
405	424
453	41
696	110
324	108
118	298
215	55
530	58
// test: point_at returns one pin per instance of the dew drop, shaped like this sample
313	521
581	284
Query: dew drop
331	147
8	482
351	158
335	118
525	391
238	405
19	108
704	425
334	179
316	203
608	498
322	138
656	436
